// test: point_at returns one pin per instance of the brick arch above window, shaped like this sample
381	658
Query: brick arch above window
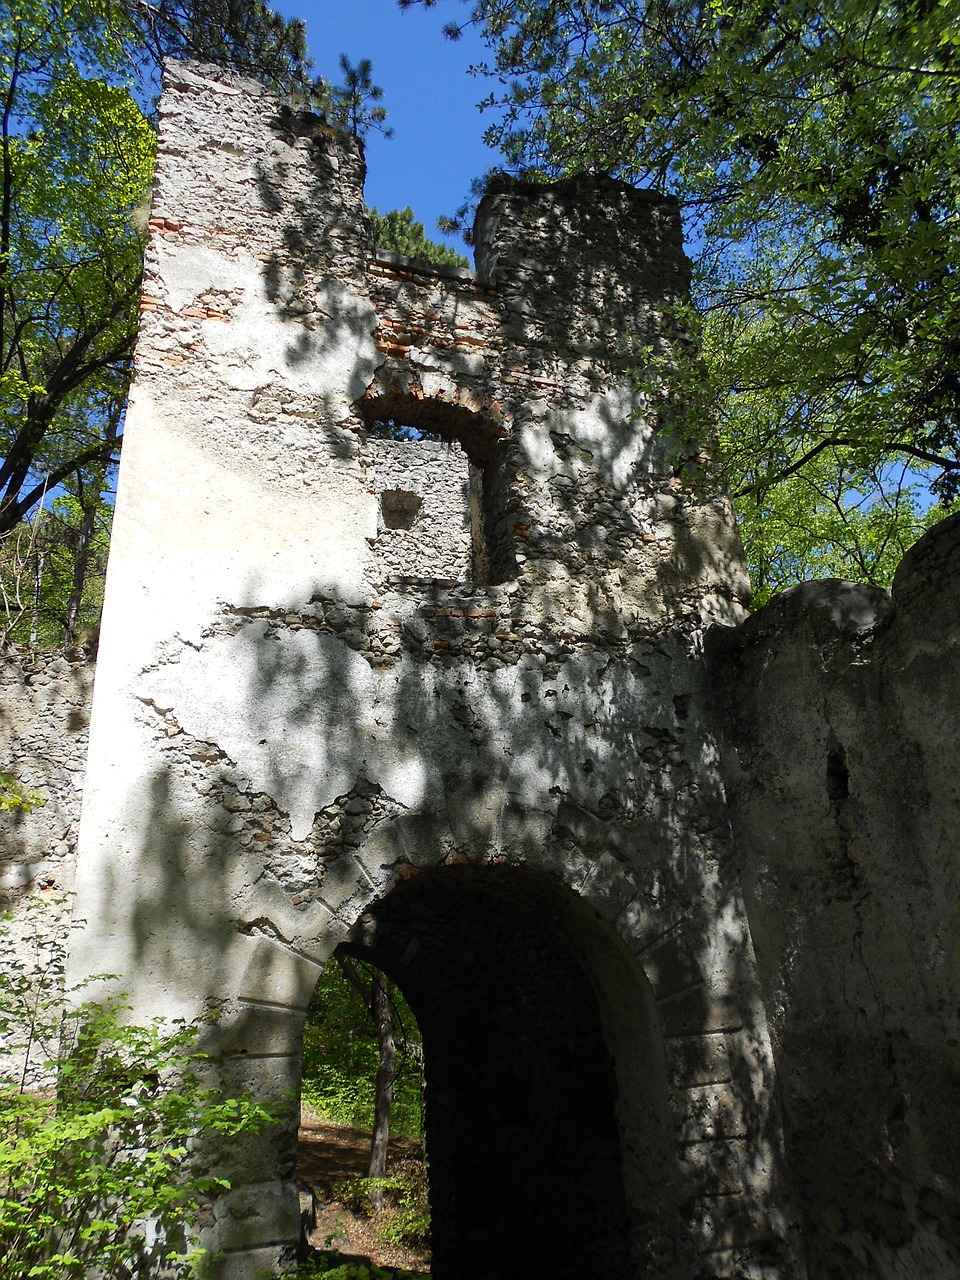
479	533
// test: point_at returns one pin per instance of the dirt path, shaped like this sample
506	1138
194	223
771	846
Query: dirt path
329	1155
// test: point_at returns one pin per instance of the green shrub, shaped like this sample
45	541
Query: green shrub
15	796
406	1218
328	1267
340	1096
100	1123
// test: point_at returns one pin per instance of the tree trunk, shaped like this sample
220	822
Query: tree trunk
81	561
37	595
386	1075
377	999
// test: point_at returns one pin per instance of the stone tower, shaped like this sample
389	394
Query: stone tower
402	653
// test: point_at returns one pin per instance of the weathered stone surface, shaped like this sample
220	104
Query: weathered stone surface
44	722
423	491
842	764
489	746
354	661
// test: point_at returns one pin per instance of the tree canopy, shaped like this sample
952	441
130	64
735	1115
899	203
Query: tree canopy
816	149
76	161
356	105
400	232
245	36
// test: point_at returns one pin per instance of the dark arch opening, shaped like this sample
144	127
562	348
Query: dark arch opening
525	1122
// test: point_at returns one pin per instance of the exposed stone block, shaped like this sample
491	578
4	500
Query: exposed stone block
276	976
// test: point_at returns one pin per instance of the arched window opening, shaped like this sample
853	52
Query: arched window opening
443	507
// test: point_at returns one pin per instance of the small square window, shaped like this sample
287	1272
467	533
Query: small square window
399	508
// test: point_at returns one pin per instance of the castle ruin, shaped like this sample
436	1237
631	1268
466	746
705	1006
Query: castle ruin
419	642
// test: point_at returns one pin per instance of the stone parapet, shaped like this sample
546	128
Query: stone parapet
840	757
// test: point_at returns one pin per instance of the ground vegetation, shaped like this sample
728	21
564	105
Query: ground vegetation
103	1123
362	1102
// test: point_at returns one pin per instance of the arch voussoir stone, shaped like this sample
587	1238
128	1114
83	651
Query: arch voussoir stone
276	975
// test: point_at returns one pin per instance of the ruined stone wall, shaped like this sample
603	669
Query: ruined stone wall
44	719
283	735
520	744
842	763
44	716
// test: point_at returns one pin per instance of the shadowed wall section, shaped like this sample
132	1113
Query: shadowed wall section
842	765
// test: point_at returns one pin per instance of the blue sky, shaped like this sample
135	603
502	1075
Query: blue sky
437	146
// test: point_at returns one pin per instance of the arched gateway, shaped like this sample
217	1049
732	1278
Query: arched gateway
402	653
